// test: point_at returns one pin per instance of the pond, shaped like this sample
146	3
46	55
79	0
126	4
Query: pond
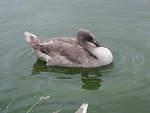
121	87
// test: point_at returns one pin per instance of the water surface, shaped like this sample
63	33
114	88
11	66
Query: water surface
121	25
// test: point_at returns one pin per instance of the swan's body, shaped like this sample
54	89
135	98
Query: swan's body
83	51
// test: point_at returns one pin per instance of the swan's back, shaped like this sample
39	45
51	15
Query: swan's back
64	53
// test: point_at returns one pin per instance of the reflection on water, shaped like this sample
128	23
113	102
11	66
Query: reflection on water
91	80
121	25
90	77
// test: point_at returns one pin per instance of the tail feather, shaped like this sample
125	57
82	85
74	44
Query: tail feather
30	38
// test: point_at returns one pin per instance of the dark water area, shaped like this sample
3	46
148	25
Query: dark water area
121	25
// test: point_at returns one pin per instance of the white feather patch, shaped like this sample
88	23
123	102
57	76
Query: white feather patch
28	36
103	54
83	108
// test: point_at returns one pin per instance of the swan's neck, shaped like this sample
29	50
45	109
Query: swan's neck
103	54
88	47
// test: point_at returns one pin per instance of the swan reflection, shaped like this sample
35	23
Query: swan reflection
90	77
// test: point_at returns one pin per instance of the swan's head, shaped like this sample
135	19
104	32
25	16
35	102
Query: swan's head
85	36
89	42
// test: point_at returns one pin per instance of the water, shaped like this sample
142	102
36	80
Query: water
121	25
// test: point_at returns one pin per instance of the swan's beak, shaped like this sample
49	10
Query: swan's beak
97	43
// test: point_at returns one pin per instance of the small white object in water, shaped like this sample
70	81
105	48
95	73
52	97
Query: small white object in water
83	108
44	98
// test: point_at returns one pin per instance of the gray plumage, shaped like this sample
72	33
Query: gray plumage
66	52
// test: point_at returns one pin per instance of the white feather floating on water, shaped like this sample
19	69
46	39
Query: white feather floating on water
83	108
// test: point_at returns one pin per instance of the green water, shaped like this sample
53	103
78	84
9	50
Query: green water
121	25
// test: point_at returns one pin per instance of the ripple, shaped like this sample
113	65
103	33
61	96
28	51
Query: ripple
129	64
122	87
20	58
127	57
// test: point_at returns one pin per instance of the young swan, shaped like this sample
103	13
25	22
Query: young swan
82	51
